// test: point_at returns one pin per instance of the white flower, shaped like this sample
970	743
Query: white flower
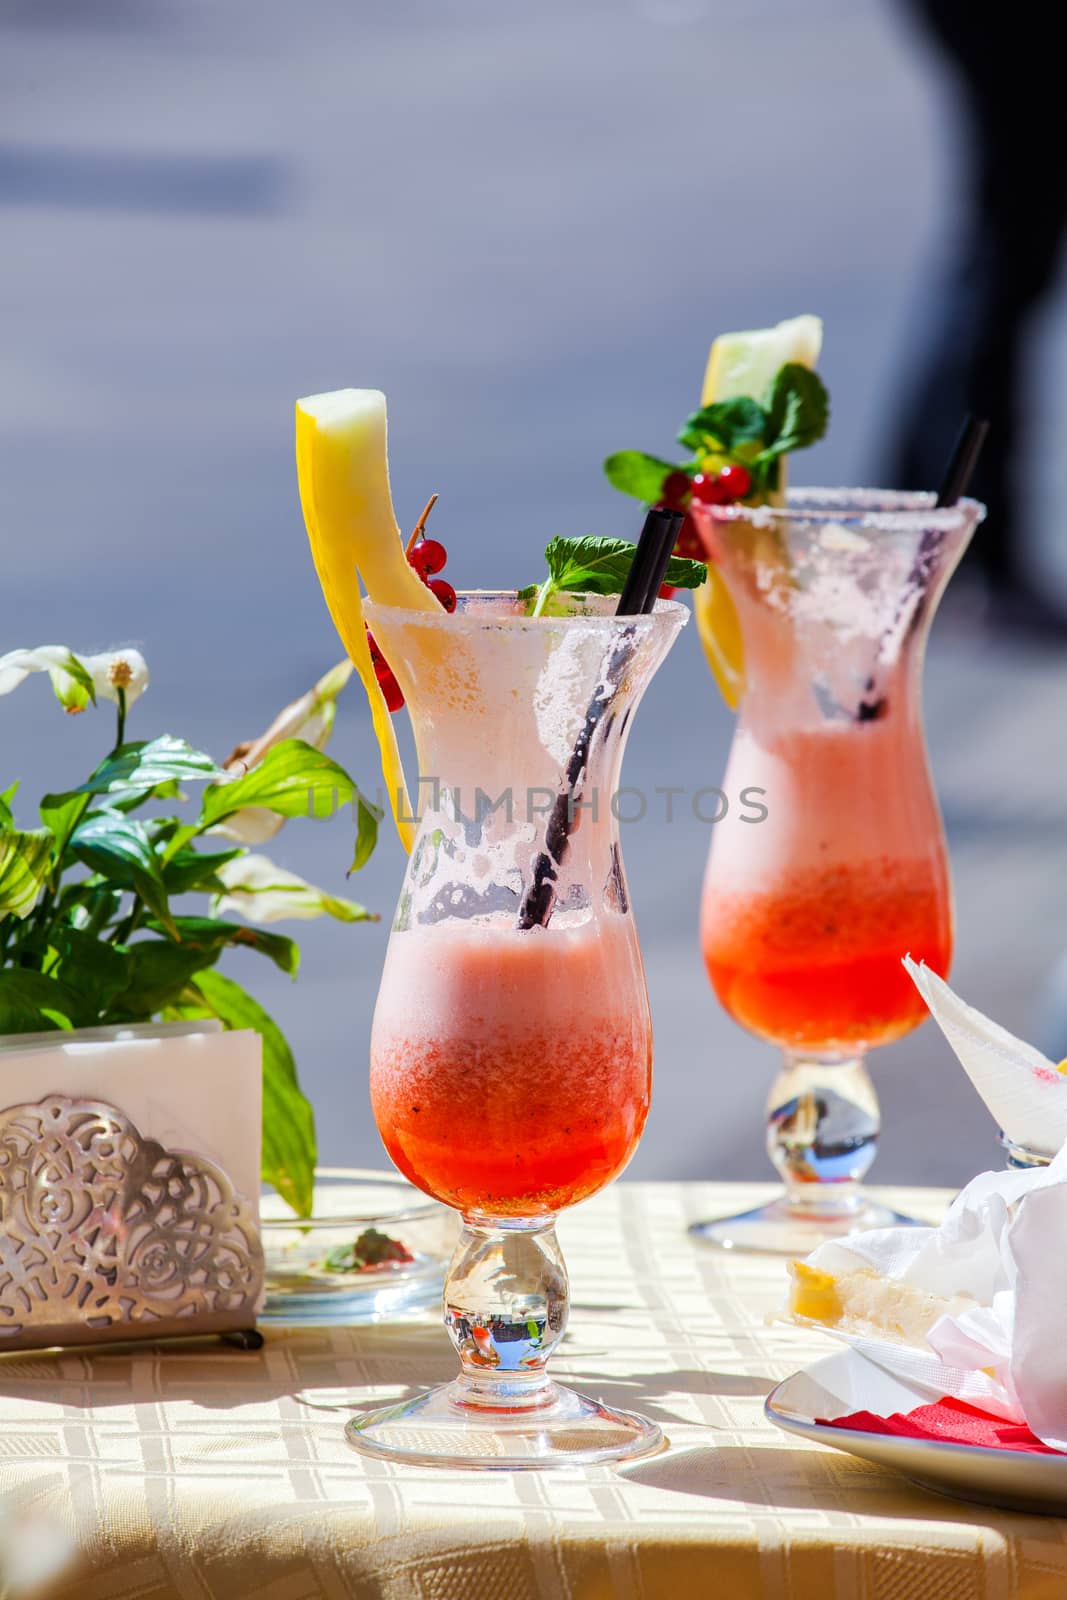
261	892
113	670
310	718
69	674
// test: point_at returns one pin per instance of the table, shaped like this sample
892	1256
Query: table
200	1473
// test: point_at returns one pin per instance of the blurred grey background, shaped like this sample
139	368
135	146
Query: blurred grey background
525	224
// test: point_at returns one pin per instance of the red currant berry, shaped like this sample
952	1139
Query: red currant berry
428	556
394	695
676	490
689	543
709	491
444	592
736	480
375	653
666	592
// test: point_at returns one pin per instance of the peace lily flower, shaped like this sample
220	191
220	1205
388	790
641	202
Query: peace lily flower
113	670
310	718
71	678
78	679
261	892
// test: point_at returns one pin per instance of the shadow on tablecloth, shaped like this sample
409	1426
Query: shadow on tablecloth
780	1478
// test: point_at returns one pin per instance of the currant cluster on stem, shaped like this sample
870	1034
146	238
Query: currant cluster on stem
427	557
732	482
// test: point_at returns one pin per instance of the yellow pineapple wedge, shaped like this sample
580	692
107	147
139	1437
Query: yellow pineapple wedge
744	364
342	467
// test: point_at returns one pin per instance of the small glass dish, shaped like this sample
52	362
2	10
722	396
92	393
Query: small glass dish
375	1249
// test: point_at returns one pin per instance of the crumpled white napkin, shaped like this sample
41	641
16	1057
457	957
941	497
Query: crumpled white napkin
1021	1087
1002	1242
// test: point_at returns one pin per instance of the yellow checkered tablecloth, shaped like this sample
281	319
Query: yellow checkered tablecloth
203	1473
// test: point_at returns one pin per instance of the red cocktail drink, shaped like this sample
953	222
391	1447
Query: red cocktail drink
808	910
511	1052
511	1070
807	913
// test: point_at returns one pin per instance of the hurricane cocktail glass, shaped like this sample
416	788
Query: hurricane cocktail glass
807	913
511	1052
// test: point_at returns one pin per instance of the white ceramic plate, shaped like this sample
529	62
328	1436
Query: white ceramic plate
845	1382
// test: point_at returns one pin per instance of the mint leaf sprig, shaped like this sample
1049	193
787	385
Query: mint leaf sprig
596	565
793	414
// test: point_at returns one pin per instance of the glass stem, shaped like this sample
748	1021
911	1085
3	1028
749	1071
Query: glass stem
505	1304
822	1133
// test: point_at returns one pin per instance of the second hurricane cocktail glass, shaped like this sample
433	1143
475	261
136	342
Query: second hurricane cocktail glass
807	913
511	1063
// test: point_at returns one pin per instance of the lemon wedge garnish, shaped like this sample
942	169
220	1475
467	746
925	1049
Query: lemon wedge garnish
342	468
744	364
719	628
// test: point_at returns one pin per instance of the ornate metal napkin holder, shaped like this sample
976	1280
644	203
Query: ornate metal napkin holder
106	1235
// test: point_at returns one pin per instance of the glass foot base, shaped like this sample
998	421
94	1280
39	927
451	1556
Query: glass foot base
567	1430
779	1228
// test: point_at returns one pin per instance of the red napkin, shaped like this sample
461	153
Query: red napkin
952	1422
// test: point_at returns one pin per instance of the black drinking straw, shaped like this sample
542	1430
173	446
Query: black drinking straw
638	596
963	460
658	538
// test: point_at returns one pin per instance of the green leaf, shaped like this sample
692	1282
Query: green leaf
726	424
30	1003
289	1148
682	573
62	813
158	971
89	903
7	819
25	862
144	765
91	968
368	816
798	411
119	849
634	472
120	799
293	780
601	566
196	869
134	772
210	935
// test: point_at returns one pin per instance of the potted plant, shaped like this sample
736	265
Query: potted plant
118	899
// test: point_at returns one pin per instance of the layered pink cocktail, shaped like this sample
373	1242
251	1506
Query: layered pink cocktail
806	914
511	1069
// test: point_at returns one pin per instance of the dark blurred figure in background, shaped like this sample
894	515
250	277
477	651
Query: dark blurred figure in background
1005	259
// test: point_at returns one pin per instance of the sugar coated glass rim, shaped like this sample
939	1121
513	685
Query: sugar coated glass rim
468	611
888	510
